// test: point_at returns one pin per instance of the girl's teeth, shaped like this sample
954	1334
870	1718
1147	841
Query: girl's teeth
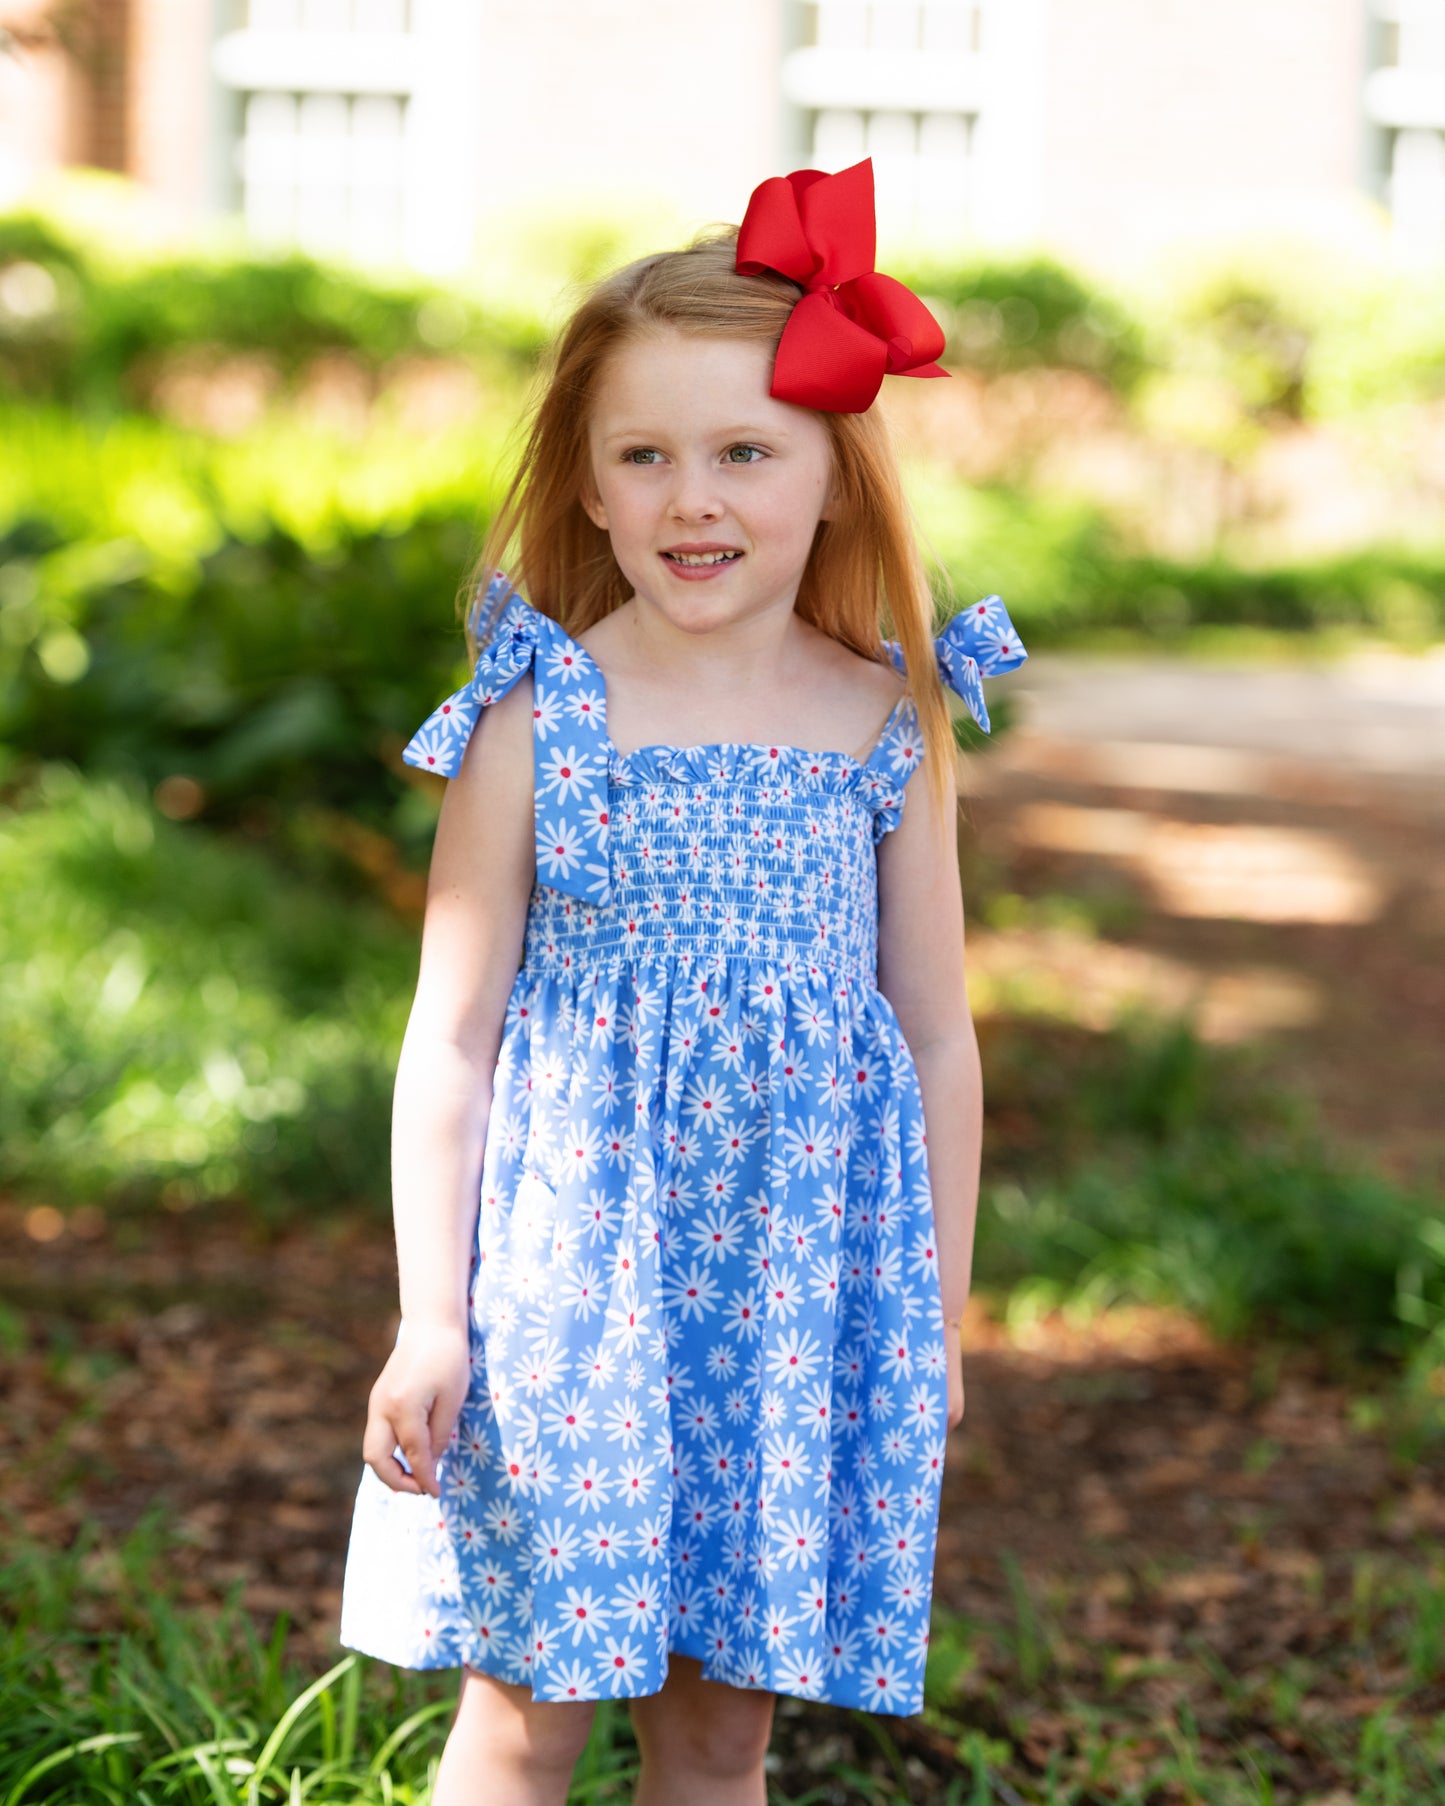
703	557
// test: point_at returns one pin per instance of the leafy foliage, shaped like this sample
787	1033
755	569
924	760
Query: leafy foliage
999	316
182	1020
77	330
1161	1172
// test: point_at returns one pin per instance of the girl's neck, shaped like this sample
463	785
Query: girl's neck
742	654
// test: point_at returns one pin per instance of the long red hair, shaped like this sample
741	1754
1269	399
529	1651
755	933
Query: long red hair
864	581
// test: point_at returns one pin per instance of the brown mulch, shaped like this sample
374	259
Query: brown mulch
1158	1492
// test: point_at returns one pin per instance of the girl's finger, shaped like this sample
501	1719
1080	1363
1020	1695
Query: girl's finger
391	1473
379	1447
444	1415
413	1433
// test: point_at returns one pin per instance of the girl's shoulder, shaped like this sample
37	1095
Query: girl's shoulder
862	694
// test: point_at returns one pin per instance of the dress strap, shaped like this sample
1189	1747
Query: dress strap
569	734
978	642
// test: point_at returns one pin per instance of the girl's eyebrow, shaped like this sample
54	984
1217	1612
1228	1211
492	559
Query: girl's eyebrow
724	432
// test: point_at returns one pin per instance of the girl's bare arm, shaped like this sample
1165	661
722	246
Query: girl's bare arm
481	877
921	973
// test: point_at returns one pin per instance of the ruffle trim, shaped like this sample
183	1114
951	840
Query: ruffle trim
732	760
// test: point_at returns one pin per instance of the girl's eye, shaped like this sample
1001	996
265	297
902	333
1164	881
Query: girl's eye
641	454
751	454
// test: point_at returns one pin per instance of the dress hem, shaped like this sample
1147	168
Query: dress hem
906	1708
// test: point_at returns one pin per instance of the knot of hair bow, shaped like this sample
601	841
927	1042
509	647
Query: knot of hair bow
852	326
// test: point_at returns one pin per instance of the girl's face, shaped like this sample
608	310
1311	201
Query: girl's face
710	490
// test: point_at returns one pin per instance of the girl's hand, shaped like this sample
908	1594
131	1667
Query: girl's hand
953	1347
414	1405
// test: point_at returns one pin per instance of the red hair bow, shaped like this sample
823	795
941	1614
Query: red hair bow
852	326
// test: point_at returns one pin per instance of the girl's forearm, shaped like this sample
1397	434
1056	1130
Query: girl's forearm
950	1079
439	1121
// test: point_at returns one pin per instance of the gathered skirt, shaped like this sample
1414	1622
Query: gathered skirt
708	1395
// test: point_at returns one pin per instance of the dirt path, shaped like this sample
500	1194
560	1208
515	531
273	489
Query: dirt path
1261	846
1376	715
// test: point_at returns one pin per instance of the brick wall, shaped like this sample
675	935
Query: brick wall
105	107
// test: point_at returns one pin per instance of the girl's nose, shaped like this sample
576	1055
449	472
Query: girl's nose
694	495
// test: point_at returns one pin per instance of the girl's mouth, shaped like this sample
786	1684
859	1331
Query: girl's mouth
697	567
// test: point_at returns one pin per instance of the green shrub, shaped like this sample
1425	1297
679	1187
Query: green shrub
1066	575
268	619
1145	1166
1280	1240
999	315
182	1019
1379	348
89	333
1255	335
277	677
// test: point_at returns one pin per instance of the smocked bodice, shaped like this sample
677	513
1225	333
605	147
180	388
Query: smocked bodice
762	853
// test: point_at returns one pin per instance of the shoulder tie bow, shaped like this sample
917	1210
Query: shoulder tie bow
569	734
980	641
852	326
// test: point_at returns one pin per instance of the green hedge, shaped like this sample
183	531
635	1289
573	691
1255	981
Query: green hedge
274	676
1284	330
269	618
1284	1239
1004	315
181	1019
77	330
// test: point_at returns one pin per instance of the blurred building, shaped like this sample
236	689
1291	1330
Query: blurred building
397	130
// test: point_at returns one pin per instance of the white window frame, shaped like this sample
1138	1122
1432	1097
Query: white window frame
968	73
354	127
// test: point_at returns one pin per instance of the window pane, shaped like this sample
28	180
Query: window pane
381	15
894	25
893	145
893	135
273	15
948	27
838	139
326	15
376	146
322	172
944	197
1422	40
943	137
267	162
843	24
1417	185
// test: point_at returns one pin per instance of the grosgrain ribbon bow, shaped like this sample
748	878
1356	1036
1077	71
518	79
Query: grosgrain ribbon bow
852	326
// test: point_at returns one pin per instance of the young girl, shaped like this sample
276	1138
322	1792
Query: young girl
680	1279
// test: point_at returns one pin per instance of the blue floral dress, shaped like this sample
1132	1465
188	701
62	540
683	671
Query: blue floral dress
709	1389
